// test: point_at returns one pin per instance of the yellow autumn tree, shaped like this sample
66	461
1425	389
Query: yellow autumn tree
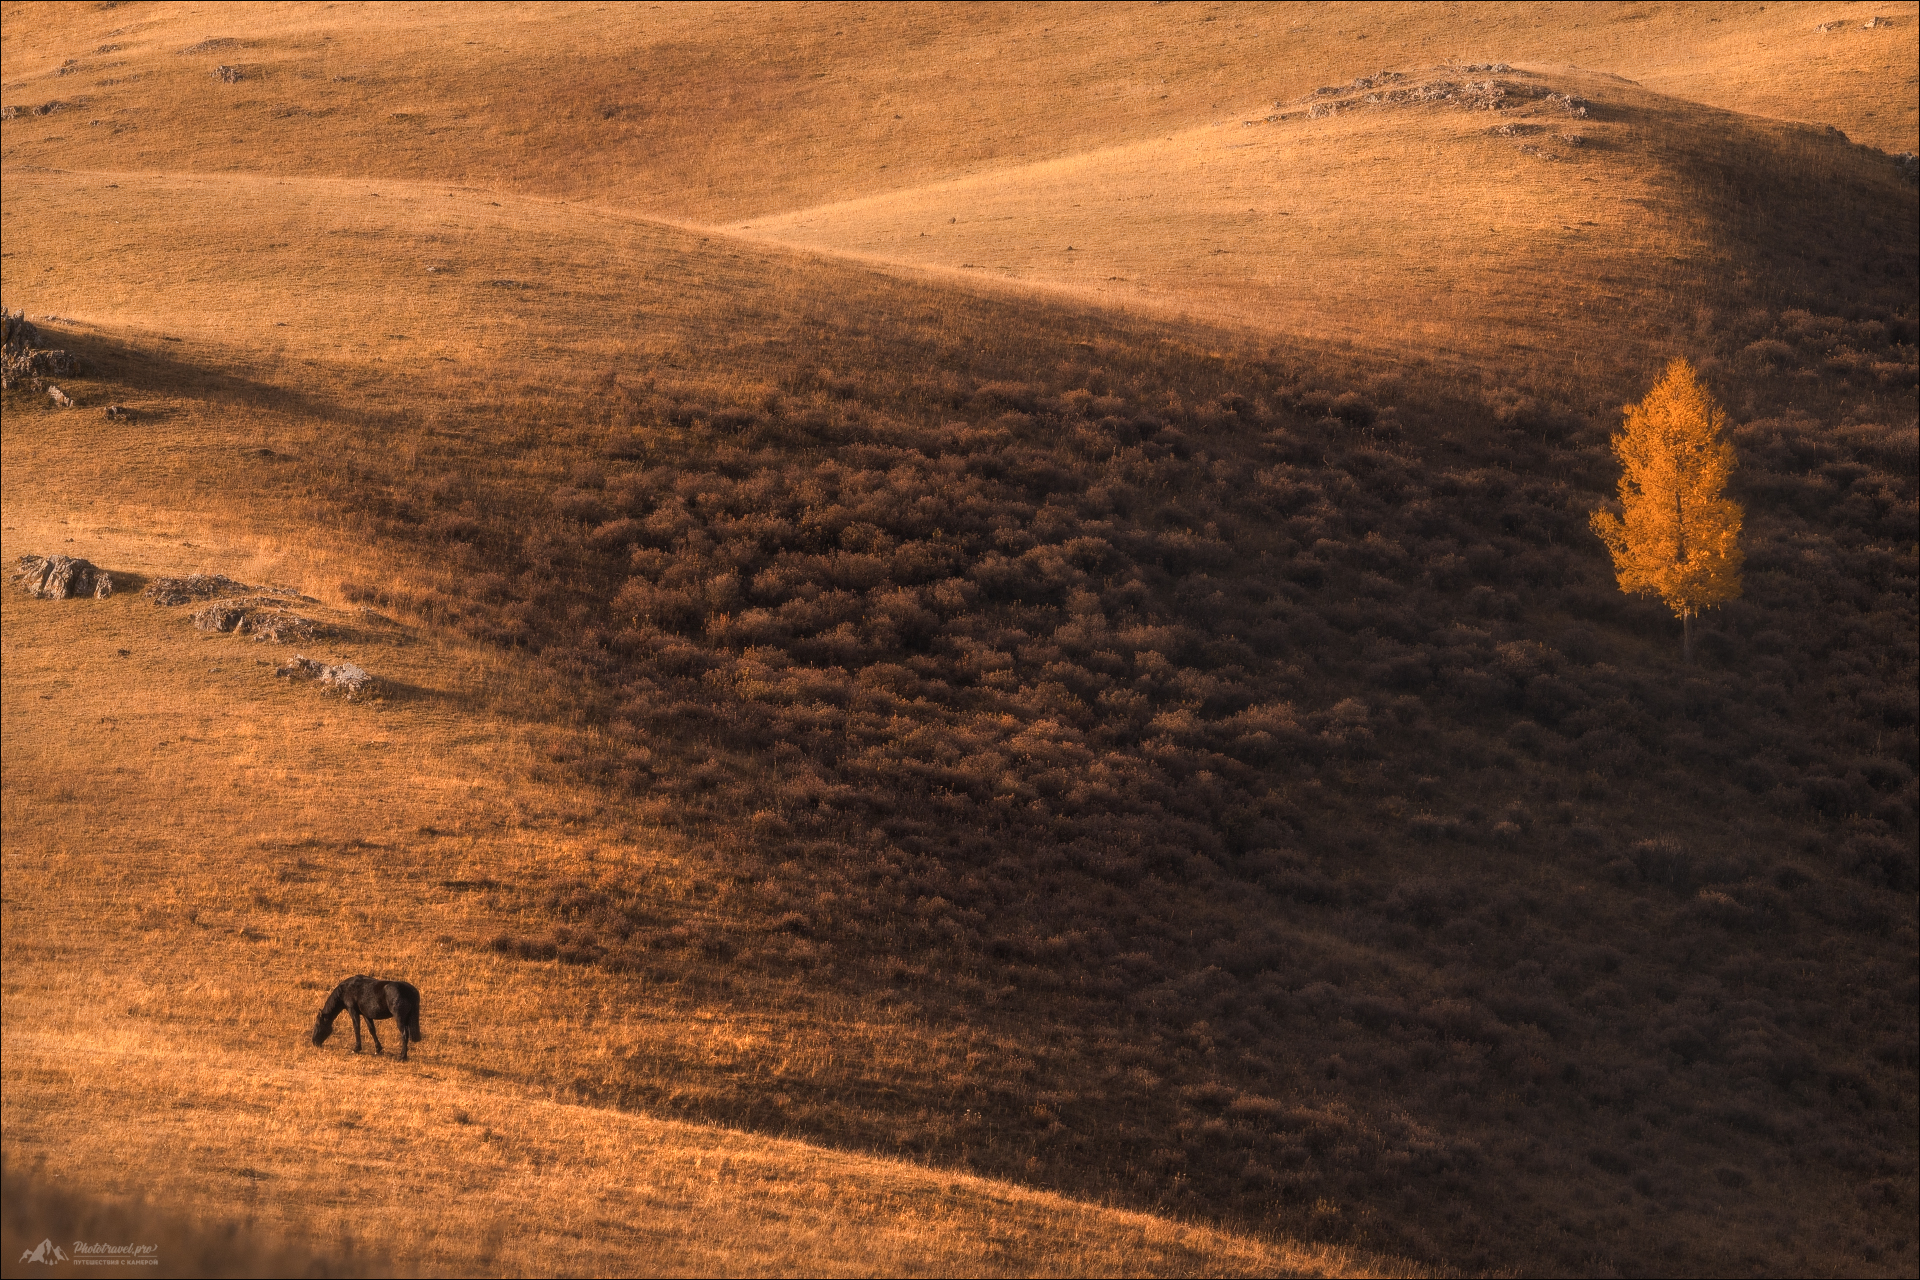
1678	534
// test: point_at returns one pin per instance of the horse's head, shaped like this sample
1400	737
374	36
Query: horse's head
323	1020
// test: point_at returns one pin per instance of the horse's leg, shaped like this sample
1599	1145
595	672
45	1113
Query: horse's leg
402	1017
356	1030
374	1031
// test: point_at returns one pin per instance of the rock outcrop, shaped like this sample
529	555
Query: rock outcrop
1394	89
261	618
232	606
23	360
355	682
62	578
196	586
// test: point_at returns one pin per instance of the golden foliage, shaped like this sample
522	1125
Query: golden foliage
1678	536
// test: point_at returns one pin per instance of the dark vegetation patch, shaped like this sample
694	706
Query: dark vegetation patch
1248	771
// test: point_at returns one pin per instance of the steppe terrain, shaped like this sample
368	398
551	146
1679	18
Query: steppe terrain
990	660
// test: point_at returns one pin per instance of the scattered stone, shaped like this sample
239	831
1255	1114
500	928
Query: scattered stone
262	618
221	616
1876	21
351	680
1909	166
1574	139
1496	68
278	626
44	109
119	413
62	578
60	397
1486	95
229	75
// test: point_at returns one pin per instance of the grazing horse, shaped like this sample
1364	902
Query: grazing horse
372	999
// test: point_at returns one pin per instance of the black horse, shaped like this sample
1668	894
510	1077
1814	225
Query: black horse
372	999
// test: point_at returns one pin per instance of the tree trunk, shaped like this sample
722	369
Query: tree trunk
1686	637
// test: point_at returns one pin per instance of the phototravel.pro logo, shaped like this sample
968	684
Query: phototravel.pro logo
47	1253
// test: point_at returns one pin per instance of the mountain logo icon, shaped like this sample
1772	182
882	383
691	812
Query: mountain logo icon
47	1253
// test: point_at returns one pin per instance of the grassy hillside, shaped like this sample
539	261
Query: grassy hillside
196	851
891	765
1424	210
721	113
1301	707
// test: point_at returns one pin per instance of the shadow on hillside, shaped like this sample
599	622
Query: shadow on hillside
399	691
141	371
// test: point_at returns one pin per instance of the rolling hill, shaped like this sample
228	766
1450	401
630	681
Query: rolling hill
907	751
719	113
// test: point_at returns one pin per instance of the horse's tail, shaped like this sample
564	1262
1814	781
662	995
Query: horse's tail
413	1028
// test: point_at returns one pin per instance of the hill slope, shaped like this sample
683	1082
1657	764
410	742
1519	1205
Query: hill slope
1200	767
1245	703
195	852
720	113
1427	212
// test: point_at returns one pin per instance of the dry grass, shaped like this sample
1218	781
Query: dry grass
262	841
461	1174
1098	154
265	845
1397	226
193	852
723	112
1405	229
